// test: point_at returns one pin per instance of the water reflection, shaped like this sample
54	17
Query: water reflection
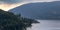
46	25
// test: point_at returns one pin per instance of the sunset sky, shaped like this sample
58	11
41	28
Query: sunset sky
9	4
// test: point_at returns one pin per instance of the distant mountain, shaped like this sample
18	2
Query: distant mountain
41	10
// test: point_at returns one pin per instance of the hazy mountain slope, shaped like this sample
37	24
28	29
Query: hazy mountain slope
45	10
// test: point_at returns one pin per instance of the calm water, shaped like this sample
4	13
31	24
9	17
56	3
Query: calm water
46	25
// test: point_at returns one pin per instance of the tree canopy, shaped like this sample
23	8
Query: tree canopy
9	21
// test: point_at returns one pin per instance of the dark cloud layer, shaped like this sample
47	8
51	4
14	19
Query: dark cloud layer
10	1
17	1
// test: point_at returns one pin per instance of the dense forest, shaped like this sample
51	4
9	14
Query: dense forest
9	21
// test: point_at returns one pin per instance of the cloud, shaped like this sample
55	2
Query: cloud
46	0
17	1
10	1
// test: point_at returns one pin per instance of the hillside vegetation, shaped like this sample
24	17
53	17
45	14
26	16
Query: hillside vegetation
9	21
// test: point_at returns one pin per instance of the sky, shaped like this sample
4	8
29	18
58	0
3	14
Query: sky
9	4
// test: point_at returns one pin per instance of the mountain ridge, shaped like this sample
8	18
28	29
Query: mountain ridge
45	10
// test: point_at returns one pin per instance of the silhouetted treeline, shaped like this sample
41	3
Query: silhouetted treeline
9	21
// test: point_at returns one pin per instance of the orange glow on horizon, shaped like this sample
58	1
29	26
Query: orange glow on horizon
6	7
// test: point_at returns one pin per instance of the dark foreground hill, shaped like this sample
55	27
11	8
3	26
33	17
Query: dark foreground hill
44	10
9	21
